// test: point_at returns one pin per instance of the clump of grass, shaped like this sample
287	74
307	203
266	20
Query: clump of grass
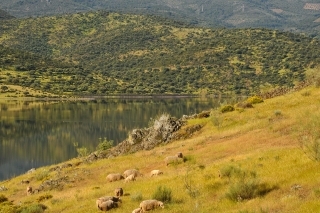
229	171
306	93
34	208
136	196
44	197
317	192
277	113
43	174
163	194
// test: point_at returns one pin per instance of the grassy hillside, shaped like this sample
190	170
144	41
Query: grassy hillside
249	160
109	53
290	15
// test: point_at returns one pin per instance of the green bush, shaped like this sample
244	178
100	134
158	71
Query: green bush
243	190
163	194
104	144
226	108
254	99
244	185
82	152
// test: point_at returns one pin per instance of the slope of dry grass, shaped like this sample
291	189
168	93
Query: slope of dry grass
261	141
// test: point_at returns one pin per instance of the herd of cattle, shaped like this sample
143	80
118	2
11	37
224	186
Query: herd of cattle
109	202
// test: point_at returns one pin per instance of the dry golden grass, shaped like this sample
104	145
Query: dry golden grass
263	139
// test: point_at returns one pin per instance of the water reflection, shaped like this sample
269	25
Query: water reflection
38	133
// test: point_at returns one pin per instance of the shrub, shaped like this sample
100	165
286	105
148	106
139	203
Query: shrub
104	144
3	198
226	108
254	99
163	194
243	190
229	171
244	185
82	152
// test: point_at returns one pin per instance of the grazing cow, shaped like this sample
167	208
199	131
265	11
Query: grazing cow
148	205
114	177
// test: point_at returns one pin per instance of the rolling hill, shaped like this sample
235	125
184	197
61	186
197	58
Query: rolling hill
289	15
104	53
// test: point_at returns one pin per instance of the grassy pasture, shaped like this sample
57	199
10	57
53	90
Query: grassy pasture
261	144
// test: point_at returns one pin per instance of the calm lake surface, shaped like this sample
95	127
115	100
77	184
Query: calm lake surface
39	133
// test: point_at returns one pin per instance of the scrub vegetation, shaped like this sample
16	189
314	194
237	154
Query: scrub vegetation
107	53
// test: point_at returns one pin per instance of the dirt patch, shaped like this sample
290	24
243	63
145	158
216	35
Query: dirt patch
312	6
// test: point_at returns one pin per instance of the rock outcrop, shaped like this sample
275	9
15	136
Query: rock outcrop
163	130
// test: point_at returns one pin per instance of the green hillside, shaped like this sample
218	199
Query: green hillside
253	160
105	53
289	15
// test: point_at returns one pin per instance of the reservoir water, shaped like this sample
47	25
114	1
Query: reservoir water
39	133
